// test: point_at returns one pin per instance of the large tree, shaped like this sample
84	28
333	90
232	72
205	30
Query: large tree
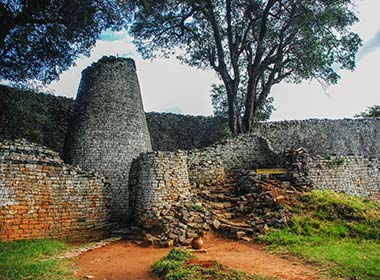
219	103
41	38
266	41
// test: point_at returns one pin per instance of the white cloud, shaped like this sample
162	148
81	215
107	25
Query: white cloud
370	46
168	85
165	83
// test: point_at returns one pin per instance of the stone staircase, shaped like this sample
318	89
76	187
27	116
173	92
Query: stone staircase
243	216
227	209
239	207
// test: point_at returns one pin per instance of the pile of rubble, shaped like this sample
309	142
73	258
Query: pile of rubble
184	221
251	206
242	207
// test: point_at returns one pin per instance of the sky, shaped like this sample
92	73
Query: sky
168	86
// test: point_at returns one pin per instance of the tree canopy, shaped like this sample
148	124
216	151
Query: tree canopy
219	103
41	38
371	112
253	44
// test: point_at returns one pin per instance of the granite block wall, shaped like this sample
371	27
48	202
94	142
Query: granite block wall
242	152
208	173
171	132
108	128
352	174
324	136
41	196
355	175
162	181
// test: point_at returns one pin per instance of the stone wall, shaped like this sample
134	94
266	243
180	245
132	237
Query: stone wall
40	196
162	181
208	173
355	175
351	174
171	132
242	152
38	117
325	137
108	128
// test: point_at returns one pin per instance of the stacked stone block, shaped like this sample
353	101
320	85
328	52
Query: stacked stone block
352	174
242	152
163	180
207	173
40	196
108	128
324	136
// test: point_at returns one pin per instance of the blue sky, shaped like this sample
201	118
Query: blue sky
168	86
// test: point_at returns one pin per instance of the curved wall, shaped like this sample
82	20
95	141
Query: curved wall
108	128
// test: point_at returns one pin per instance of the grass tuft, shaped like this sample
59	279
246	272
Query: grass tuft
33	259
335	230
177	265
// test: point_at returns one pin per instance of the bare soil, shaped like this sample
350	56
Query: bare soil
123	260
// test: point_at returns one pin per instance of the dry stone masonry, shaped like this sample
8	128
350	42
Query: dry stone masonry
162	180
108	128
174	196
241	152
325	137
40	196
351	174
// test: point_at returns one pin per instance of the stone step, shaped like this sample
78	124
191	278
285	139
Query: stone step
218	190
219	197
221	205
238	224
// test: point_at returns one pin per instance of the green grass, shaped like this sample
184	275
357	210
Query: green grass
175	266
33	259
339	232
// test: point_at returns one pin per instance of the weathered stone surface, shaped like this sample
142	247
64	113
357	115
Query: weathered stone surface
351	174
242	152
40	196
324	136
108	128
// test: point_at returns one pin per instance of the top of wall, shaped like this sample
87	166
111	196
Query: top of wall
170	132
325	136
112	61
21	151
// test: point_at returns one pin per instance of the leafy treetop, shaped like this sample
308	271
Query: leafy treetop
253	44
41	38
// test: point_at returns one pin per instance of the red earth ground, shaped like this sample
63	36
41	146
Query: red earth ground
124	260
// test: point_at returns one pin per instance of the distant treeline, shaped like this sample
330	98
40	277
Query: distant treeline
43	118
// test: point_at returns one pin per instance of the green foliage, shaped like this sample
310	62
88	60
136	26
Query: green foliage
37	117
220	103
199	208
252	45
176	266
371	112
33	259
335	230
40	39
171	262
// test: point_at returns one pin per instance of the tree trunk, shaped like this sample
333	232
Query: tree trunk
249	112
234	119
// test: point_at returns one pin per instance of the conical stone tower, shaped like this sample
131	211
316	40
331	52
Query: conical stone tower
108	128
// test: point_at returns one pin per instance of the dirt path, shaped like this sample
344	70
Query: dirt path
123	260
